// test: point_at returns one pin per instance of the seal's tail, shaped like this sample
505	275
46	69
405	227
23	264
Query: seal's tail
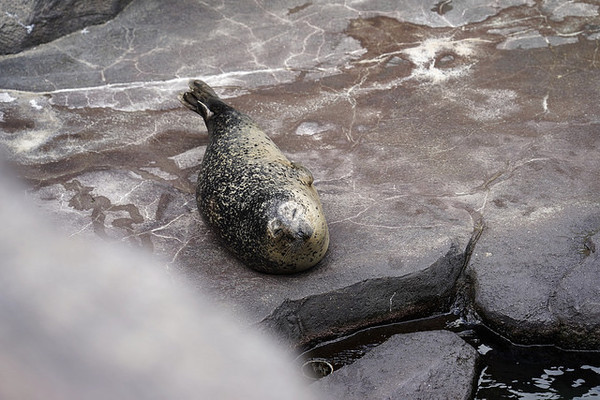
201	99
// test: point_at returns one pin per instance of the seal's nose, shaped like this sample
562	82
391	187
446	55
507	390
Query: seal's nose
304	231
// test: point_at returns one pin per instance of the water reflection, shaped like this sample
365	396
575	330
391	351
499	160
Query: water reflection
509	371
514	380
535	372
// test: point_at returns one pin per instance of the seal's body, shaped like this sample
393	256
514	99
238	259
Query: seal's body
264	207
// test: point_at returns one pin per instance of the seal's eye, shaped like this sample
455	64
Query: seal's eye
275	227
289	211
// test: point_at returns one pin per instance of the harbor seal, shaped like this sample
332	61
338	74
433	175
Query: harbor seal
264	208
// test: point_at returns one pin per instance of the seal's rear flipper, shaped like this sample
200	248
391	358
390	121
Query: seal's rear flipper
202	99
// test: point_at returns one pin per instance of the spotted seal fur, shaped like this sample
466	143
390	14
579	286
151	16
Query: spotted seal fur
263	207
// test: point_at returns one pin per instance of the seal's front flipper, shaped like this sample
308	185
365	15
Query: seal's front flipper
201	99
305	175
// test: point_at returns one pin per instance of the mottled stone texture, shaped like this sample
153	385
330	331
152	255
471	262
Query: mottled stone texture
420	366
24	24
419	120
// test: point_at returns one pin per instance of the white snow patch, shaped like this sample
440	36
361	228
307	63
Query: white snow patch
190	158
28	28
311	128
544	212
34	104
29	141
424	57
6	98
160	173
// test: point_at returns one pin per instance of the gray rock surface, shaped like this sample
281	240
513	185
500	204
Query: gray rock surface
418	121
87	319
369	302
539	282
24	24
421	365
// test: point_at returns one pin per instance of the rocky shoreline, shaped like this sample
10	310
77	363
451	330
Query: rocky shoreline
420	125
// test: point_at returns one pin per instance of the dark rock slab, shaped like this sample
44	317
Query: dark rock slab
539	283
24	24
421	365
577	301
373	301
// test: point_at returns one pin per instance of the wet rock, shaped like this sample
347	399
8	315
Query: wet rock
85	319
422	365
532	264
538	282
337	312
24	24
577	303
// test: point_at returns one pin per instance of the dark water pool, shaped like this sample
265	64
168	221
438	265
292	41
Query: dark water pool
534	372
508	371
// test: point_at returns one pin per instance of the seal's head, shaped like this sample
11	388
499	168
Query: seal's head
290	223
297	239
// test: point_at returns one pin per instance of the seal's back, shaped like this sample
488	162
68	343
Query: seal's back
263	207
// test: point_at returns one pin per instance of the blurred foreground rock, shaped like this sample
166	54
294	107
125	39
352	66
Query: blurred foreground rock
84	319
